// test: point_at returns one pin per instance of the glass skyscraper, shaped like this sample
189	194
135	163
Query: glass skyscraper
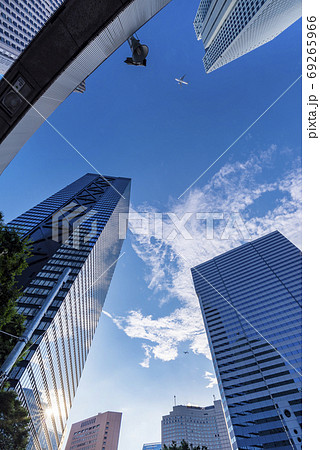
197	426
231	28
78	229
20	21
250	299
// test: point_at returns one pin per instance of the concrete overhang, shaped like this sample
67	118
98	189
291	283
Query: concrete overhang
79	36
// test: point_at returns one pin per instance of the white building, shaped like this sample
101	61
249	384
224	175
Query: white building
197	426
20	21
232	28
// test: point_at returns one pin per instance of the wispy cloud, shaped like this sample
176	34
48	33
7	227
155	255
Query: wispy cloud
235	188
148	354
211	378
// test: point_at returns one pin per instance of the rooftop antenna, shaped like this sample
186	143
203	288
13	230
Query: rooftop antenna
214	398
174	400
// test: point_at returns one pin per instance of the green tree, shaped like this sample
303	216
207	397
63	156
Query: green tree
183	446
14	422
14	252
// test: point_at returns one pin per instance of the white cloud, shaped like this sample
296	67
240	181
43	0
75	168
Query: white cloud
148	353
211	378
166	332
234	189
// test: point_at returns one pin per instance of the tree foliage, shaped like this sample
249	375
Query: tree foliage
183	446
13	260
14	417
14	422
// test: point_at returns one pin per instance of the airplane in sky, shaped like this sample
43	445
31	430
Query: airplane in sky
180	80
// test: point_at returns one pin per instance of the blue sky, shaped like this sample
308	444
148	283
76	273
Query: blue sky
136	122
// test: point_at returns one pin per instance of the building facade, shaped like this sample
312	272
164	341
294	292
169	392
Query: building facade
78	39
100	432
232	28
250	299
20	21
75	229
155	446
197	426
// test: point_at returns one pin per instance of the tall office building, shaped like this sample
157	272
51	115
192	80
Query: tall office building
99	432
197	426
20	21
74	232
250	299
232	28
154	446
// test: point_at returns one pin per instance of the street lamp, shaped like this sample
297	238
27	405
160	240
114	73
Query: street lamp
139	52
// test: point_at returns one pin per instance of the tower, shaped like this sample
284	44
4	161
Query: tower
100	432
250	299
74	235
197	426
20	22
232	28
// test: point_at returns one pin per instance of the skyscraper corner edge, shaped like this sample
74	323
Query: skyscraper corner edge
47	378
250	299
228	36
